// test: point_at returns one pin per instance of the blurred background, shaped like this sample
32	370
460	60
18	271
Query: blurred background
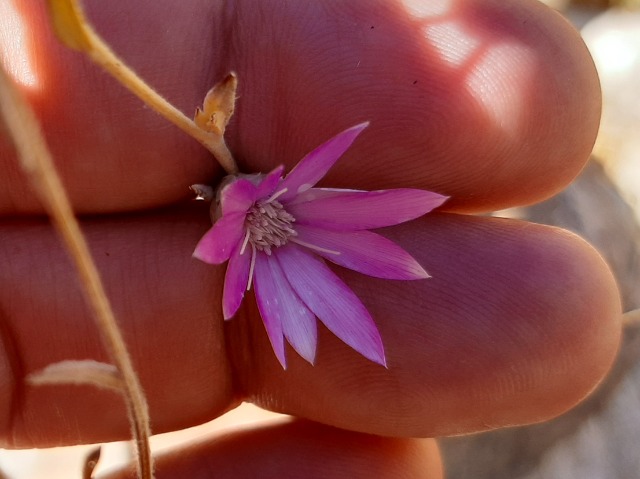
599	438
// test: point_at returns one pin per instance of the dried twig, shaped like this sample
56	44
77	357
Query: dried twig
37	163
631	318
208	128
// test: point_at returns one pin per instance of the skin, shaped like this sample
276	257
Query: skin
518	323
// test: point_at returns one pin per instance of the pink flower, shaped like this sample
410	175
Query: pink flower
274	232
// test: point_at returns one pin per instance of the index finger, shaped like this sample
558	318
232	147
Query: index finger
492	103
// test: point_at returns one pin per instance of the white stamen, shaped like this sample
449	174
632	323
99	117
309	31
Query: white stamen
252	266
313	247
245	241
277	194
268	225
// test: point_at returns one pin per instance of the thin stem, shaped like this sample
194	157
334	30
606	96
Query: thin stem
37	162
631	318
81	36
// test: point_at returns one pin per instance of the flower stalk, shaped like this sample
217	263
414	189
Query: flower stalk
37	162
73	29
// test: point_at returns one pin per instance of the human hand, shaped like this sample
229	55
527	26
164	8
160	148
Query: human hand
493	103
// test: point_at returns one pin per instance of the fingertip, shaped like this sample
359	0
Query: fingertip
518	324
542	332
492	103
529	104
588	338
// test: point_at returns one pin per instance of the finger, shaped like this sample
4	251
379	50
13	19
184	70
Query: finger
517	324
493	103
298	449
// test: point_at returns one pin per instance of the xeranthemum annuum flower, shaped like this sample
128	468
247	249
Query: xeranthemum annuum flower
275	232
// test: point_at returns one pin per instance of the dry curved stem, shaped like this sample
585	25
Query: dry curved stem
37	163
73	29
631	318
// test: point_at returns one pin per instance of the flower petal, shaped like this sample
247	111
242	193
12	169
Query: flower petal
313	194
268	185
298	323
332	301
235	282
217	244
316	164
359	210
237	196
267	300
363	251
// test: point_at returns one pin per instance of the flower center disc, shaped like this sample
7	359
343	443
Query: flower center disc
268	225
